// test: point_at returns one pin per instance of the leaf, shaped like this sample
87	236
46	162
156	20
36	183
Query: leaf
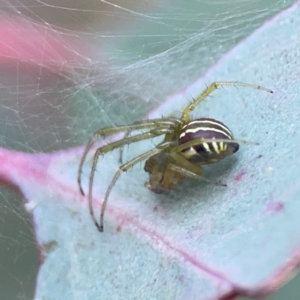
201	241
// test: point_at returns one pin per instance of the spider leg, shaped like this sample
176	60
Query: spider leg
210	89
175	120
122	148
159	123
104	149
124	168
188	169
109	147
82	160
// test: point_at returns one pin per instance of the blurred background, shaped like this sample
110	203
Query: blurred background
70	67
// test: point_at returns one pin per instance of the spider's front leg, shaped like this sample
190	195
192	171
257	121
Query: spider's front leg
109	147
212	87
105	132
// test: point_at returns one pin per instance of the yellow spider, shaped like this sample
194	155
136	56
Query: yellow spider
187	145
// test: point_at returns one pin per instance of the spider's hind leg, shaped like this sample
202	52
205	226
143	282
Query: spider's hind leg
161	178
189	170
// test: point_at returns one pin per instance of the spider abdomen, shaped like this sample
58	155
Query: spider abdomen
207	152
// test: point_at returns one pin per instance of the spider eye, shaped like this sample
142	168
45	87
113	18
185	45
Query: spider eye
207	152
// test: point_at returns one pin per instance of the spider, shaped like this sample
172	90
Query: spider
187	145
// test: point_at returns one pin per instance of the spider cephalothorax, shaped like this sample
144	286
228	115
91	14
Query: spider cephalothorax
187	145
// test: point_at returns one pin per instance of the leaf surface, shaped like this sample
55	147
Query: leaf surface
201	241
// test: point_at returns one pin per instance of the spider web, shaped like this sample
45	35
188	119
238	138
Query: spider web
117	61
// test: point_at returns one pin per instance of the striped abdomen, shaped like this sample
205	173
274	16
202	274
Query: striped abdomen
207	152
